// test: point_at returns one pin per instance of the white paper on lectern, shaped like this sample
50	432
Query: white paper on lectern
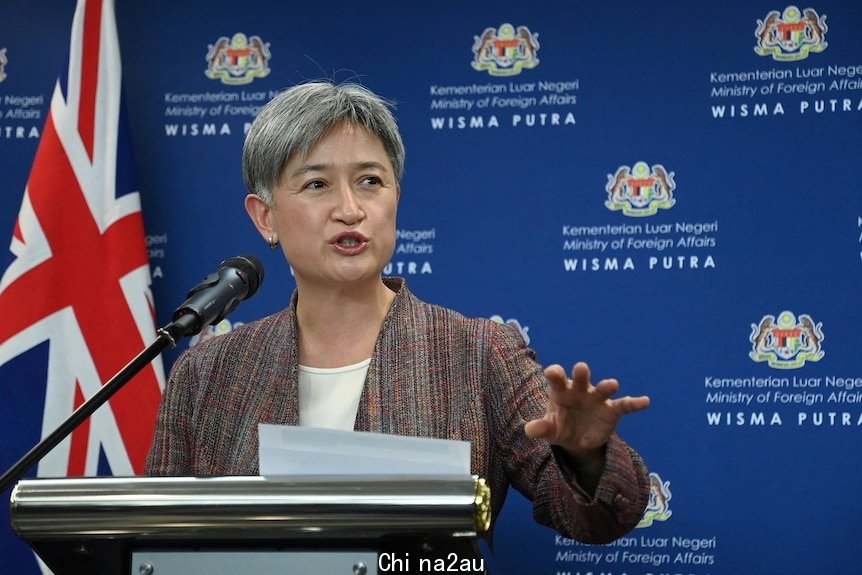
290	450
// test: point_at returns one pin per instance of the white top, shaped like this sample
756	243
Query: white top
329	397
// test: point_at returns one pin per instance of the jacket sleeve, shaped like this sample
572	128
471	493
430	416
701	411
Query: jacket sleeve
520	395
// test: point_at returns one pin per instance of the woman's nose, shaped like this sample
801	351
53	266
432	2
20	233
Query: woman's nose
348	208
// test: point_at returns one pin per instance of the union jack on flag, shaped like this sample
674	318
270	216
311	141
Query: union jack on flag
75	303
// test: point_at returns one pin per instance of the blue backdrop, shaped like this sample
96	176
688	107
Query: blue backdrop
666	190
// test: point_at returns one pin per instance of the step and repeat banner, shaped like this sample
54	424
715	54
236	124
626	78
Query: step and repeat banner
669	191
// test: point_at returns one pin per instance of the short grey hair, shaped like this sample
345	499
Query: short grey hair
293	121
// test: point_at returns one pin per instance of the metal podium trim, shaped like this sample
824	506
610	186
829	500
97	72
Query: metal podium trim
302	507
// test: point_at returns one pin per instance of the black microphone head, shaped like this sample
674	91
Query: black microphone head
249	266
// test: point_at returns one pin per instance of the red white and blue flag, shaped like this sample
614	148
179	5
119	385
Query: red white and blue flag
75	303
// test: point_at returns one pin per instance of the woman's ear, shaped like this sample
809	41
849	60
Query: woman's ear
259	212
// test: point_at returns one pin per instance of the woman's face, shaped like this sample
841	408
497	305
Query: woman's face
334	210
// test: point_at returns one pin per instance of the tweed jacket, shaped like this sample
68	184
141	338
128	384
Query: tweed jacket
434	373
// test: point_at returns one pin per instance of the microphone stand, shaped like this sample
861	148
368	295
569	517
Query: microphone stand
166	337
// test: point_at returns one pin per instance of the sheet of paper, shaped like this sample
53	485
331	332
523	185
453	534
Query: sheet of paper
289	450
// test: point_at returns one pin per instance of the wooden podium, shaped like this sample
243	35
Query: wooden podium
347	525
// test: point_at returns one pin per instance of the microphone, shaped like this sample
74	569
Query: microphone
235	280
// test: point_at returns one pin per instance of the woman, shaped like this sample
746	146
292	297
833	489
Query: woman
355	350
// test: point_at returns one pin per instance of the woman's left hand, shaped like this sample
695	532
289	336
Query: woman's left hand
581	417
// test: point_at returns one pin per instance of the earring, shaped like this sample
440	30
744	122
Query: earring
272	243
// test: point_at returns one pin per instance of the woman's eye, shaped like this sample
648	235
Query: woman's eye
315	185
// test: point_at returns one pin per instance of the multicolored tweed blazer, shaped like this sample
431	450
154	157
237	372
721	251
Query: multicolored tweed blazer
434	373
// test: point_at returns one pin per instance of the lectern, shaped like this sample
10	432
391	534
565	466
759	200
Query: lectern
347	525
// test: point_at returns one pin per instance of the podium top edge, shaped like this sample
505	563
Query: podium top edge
251	479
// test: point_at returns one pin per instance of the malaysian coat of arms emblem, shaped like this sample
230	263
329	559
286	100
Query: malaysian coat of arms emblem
791	35
640	190
505	51
238	60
